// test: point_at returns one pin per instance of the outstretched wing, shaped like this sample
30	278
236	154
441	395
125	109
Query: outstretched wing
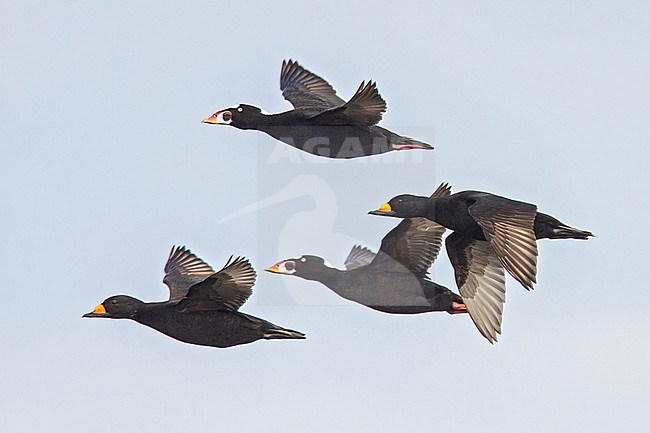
359	256
182	270
508	226
305	89
481	282
413	244
227	289
364	108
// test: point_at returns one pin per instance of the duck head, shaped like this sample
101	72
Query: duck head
307	267
404	206
116	307
242	116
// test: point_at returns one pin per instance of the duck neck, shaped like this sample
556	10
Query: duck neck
325	275
258	121
421	207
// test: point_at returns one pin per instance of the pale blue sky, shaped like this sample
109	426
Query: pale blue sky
104	165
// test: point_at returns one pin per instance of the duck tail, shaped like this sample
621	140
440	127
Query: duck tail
567	232
548	227
276	333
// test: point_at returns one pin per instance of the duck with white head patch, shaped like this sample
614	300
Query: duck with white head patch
395	280
321	123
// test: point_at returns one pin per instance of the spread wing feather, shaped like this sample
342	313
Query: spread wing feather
182	270
359	256
481	282
305	89
508	226
227	289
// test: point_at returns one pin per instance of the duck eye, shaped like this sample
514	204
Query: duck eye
289	266
114	302
240	109
226	116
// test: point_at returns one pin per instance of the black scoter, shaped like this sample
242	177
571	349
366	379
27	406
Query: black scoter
203	305
490	233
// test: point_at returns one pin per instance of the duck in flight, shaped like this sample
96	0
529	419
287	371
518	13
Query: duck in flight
321	123
395	280
203	305
490	234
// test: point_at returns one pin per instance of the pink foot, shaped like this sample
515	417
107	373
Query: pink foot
458	308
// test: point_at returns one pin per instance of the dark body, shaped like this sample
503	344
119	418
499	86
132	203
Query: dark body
220	328
331	141
453	212
385	291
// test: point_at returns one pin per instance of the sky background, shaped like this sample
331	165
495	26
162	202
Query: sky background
104	165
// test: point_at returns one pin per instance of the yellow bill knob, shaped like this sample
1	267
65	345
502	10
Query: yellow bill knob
385	208
99	309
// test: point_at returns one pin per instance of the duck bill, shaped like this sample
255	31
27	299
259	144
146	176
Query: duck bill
274	269
384	210
211	120
98	311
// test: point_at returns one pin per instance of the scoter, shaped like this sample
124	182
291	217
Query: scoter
203	305
321	123
490	233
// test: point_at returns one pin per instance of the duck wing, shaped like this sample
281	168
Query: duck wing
366	108
227	289
182	270
359	256
481	281
413	244
305	89
508	226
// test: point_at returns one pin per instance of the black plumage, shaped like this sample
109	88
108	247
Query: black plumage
490	234
321	122
203	305
395	280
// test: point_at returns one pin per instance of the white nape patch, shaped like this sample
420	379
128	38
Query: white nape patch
239	108
329	265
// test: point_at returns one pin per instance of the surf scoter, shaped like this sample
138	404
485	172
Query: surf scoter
321	123
395	280
203	305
